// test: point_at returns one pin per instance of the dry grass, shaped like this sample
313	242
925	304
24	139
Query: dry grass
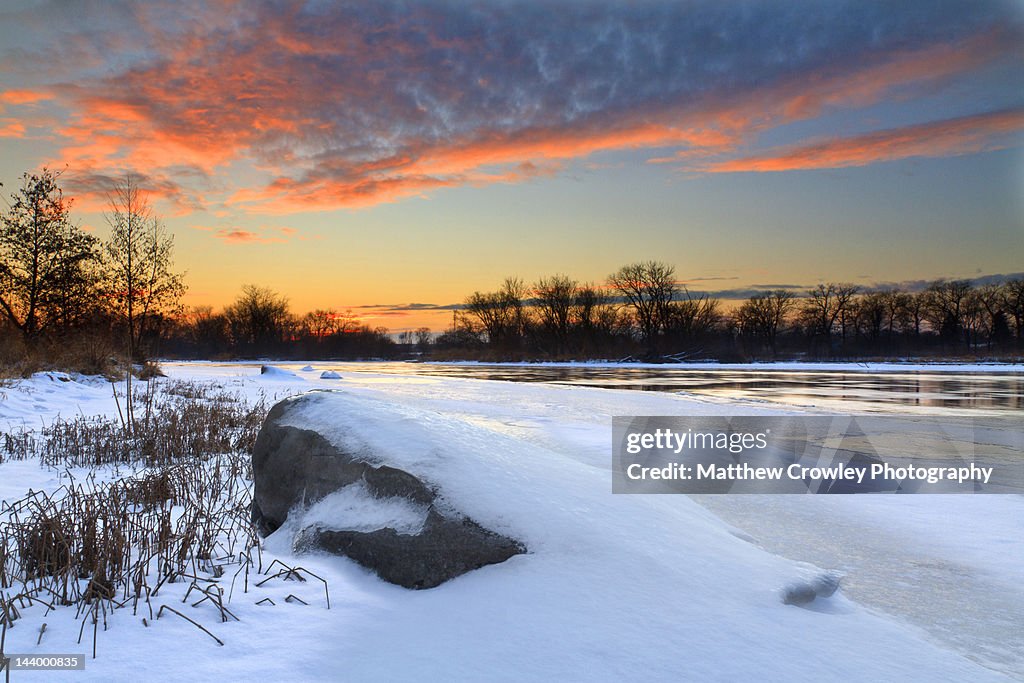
181	513
174	421
86	354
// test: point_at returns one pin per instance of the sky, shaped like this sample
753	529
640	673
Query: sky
393	157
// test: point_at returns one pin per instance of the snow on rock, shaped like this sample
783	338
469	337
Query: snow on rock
329	374
356	508
823	585
307	368
294	465
272	372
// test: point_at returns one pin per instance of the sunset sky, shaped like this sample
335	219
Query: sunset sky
392	157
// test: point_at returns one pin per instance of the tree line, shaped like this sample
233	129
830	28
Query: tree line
71	300
642	311
65	292
66	297
260	323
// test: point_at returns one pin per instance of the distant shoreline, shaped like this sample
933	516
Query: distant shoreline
808	366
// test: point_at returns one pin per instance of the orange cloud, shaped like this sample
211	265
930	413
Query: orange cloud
11	128
21	97
952	137
711	126
362	104
265	235
902	72
238	236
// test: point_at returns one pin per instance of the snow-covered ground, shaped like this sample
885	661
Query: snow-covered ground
614	586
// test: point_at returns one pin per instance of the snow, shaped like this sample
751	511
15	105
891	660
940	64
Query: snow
271	372
354	508
613	586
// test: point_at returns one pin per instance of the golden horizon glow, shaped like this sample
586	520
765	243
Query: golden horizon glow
392	158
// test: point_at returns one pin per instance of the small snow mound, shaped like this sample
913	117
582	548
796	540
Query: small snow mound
329	374
55	376
805	592
271	372
307	368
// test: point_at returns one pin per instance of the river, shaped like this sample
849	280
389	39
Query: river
862	390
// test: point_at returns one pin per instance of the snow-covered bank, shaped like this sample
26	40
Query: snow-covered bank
615	587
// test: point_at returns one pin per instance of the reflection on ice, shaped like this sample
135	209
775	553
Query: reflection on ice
850	391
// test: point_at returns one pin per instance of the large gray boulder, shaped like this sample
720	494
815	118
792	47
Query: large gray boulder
295	467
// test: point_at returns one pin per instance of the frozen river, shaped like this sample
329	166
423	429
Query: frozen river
862	389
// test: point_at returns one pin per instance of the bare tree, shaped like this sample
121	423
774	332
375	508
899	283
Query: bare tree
47	275
826	305
500	315
320	323
869	311
947	303
142	286
588	313
259	319
691	317
989	304
424	339
554	298
649	287
916	307
897	310
207	330
1013	300
762	315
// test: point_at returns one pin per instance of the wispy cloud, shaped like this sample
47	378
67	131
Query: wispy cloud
92	186
22	97
11	128
412	307
263	235
868	287
355	104
951	137
711	279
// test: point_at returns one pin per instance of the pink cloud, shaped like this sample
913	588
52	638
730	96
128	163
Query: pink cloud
354	105
263	235
951	137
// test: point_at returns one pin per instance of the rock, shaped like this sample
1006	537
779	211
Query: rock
294	468
307	368
826	584
799	593
445	548
823	585
58	376
329	374
272	372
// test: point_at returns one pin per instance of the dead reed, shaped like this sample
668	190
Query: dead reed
181	513
174	421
